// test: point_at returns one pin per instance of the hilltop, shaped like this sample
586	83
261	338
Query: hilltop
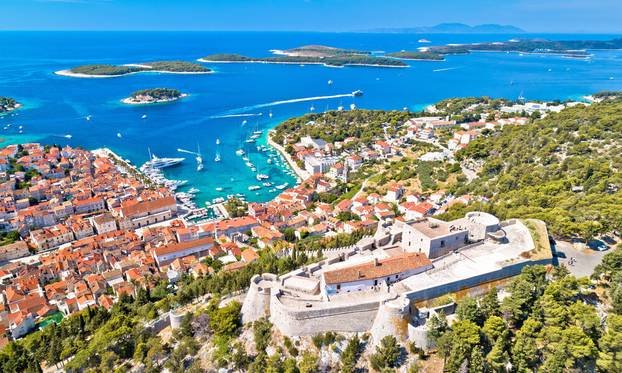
565	169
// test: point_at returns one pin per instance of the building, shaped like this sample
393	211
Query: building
167	253
104	223
433	237
374	273
143	213
15	250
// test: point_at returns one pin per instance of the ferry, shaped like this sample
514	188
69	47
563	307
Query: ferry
254	187
357	93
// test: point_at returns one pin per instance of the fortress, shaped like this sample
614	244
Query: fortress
374	286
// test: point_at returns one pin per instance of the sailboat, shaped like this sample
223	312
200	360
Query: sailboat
521	98
199	159
217	158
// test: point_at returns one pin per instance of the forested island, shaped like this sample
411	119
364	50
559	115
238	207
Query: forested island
8	104
424	56
153	96
566	48
107	70
312	54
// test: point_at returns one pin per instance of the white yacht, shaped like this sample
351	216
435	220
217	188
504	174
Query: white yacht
352	107
358	92
240	152
254	187
156	162
144	116
119	135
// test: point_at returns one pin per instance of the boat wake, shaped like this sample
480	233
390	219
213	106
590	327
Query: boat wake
445	69
283	102
237	115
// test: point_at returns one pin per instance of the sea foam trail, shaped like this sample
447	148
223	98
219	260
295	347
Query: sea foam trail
446	69
237	115
283	102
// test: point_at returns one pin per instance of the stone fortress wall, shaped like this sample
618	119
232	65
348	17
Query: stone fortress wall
390	312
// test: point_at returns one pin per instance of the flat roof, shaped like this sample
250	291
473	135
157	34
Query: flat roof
433	228
475	261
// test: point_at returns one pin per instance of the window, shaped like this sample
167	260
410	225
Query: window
442	243
339	287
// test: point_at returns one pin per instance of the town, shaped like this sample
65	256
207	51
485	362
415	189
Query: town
85	229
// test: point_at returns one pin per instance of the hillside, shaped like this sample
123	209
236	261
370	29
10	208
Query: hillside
564	169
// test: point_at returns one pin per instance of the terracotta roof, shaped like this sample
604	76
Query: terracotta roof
146	206
382	268
175	247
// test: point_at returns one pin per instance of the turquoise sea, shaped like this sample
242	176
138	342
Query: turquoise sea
56	106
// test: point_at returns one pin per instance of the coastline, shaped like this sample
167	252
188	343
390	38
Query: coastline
130	101
304	63
302	174
70	74
8	111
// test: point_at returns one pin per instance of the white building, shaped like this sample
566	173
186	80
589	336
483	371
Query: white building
374	273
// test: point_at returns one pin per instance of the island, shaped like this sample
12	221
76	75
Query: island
153	96
454	28
8	104
312	54
109	71
564	48
419	56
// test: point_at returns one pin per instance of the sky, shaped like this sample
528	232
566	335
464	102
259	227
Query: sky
587	16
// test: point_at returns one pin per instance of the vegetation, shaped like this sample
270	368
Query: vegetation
7	104
410	55
362	125
313	54
236	207
574	48
8	237
387	354
530	171
547	323
158	93
118	70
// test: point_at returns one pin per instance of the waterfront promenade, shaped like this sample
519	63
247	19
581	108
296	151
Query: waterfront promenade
302	174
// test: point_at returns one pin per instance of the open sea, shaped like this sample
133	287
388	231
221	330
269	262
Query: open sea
219	103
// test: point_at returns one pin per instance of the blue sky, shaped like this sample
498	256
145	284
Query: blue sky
598	16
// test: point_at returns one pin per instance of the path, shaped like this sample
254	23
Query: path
302	174
363	185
